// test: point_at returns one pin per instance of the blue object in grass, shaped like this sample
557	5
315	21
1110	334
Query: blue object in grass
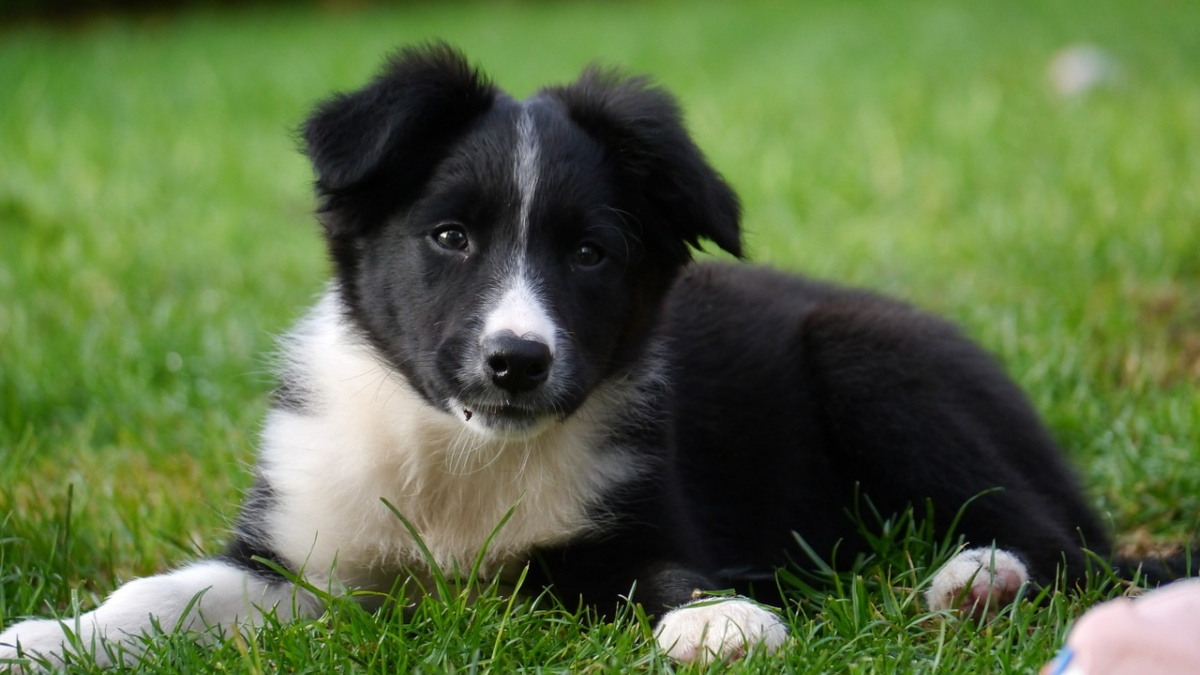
1061	662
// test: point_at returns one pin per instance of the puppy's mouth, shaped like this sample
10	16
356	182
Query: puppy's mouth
505	419
500	412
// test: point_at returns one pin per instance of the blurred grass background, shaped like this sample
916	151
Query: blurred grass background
156	229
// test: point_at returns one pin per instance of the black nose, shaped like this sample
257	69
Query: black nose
517	364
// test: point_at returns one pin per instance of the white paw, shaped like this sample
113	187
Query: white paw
718	628
43	638
978	582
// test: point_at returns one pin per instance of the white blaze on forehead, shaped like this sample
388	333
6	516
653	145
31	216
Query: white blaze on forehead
520	308
526	173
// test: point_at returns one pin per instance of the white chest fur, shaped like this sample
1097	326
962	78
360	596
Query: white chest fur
368	437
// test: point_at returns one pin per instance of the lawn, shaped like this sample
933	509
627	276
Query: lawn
156	233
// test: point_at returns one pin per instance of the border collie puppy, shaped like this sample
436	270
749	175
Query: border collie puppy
513	325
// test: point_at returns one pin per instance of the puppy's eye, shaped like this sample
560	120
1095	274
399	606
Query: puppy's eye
587	254
451	236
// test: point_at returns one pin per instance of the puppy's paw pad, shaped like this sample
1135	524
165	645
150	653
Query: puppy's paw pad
718	628
978	582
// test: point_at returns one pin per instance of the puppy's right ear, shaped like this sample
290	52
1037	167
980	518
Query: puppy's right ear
373	149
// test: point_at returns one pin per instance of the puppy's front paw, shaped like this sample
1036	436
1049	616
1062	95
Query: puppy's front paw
44	638
718	628
978	582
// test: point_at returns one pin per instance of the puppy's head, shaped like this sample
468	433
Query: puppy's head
509	256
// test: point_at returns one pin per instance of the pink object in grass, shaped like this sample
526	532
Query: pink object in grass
1155	634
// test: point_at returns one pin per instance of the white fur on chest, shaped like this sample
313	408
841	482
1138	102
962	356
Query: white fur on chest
369	437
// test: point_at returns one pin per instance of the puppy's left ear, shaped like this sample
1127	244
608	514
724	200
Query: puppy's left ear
656	161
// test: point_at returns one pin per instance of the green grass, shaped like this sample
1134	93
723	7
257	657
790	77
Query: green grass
155	232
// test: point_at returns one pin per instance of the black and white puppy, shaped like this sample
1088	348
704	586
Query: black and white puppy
514	325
